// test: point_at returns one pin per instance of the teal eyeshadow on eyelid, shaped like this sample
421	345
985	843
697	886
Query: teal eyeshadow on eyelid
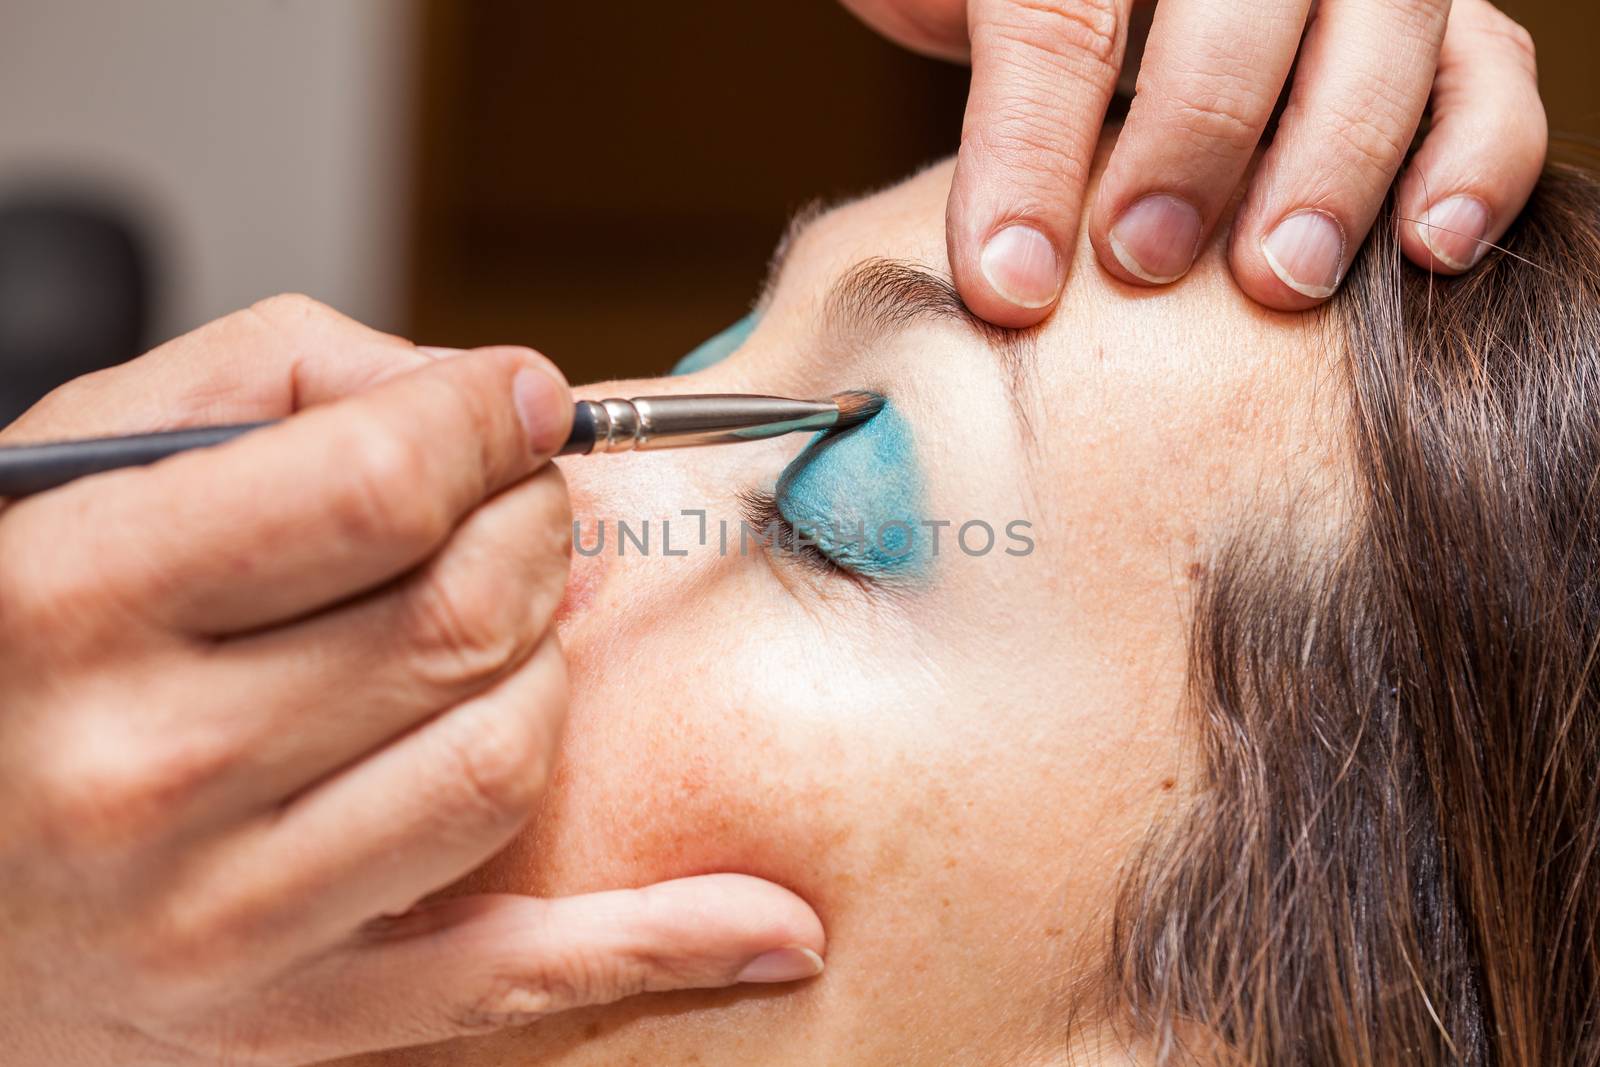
859	496
718	348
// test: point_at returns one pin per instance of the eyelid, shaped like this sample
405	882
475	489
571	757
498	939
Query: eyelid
759	508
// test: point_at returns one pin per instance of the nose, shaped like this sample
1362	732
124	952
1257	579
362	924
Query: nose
649	526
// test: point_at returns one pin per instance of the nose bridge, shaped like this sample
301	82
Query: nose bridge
647	525
639	485
666	482
679	487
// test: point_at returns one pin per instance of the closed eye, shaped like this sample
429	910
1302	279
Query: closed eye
759	508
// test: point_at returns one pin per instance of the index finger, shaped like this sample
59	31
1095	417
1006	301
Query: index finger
1212	73
1043	72
294	517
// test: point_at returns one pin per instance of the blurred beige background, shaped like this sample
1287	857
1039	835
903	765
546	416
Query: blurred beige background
265	143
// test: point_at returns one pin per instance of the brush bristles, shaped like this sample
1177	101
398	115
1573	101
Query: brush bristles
855	407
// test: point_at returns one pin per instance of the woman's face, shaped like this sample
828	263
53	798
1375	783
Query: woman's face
949	756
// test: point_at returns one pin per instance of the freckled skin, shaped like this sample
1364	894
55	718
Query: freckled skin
951	773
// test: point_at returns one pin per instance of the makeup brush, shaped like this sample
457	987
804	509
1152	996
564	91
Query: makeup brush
648	422
642	423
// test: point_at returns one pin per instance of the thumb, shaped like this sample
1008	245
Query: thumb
477	964
1043	72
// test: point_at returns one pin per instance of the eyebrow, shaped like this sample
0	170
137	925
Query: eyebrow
879	296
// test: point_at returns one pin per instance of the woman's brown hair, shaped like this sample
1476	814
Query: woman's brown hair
1392	855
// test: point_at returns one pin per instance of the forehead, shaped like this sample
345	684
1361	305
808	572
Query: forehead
1192	379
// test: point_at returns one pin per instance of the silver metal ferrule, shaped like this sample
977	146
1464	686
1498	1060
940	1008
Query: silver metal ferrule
647	422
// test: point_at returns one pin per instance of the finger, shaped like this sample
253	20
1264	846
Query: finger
1359	93
1042	74
1486	148
343	683
268	361
388	830
472	965
292	518
1212	73
931	27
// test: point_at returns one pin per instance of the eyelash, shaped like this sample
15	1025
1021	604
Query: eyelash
759	508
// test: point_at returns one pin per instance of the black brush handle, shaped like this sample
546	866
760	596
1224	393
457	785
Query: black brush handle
27	469
580	441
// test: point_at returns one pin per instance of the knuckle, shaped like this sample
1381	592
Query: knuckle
1503	30
1370	145
292	311
376	501
1413	20
1022	137
1055	53
493	767
1430	12
1520	39
464	627
1214	118
1371	132
578	979
1091	28
509	1001
112	792
1052	81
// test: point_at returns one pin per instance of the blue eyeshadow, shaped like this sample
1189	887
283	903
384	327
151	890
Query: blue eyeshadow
859	495
719	347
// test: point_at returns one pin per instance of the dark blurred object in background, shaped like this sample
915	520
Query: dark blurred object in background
75	294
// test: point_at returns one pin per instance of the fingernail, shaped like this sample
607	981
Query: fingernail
782	965
1453	230
1022	266
439	353
1156	238
1306	252
539	399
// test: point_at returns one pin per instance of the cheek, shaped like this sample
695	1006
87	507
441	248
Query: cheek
646	790
901	836
858	811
